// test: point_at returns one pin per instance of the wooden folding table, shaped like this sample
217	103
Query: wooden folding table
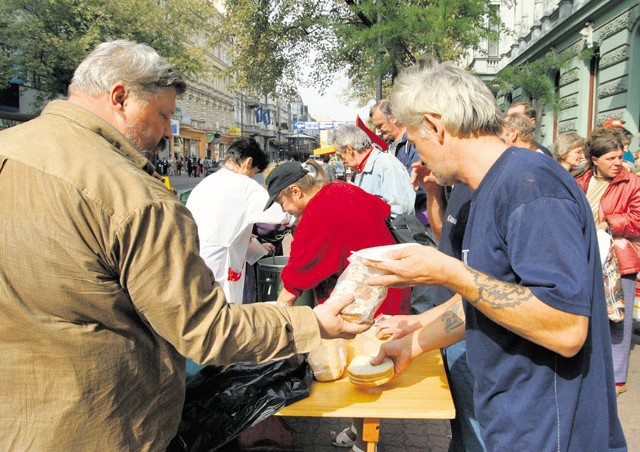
420	392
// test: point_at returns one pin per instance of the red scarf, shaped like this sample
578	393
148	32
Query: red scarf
361	165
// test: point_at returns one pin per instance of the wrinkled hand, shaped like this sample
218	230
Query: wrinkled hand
399	351
411	266
396	326
331	323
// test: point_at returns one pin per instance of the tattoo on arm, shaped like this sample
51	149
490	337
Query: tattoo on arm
498	294
453	317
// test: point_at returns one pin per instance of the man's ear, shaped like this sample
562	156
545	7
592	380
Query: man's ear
248	162
118	95
436	125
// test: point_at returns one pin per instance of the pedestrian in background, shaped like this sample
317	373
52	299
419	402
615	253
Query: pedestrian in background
102	287
570	152
527	109
614	196
386	124
377	172
518	130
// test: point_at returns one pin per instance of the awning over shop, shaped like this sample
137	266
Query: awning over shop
228	139
324	150
213	137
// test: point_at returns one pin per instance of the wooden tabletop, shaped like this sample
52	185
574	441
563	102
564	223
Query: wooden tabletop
420	392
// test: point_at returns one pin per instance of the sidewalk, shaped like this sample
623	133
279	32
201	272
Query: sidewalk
629	402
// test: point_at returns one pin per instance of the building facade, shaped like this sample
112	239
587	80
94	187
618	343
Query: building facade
596	84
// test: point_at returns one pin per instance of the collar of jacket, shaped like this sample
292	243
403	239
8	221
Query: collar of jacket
623	175
99	126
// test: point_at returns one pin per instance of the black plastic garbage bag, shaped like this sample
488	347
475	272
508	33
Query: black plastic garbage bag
222	403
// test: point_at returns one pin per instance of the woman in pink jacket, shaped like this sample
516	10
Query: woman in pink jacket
614	196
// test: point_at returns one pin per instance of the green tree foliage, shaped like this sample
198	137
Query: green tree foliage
535	77
279	44
44	40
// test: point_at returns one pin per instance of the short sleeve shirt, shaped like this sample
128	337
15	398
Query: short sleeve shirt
530	224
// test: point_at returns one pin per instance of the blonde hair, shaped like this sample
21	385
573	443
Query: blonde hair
566	142
309	183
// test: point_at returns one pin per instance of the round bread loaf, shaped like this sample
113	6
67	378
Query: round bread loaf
361	371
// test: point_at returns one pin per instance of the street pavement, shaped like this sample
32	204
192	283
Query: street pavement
312	434
184	182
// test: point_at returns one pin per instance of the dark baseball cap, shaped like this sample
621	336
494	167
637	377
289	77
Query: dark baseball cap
281	177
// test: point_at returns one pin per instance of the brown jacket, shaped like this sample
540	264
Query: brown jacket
103	291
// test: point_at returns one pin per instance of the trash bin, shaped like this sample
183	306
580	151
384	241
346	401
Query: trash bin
270	283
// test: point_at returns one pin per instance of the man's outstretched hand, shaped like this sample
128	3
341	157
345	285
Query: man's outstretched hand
331	323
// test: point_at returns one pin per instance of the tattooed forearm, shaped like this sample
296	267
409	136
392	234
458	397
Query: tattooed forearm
498	295
453	317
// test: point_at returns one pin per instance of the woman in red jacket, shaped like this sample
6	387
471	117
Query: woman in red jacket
338	218
614	196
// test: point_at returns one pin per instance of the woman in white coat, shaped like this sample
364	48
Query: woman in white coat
225	206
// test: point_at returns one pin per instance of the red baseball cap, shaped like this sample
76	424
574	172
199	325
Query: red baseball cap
613	122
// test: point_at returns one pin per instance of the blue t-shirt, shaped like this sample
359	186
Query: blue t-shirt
453	226
407	153
530	224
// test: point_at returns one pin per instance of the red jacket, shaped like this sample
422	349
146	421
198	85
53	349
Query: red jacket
339	219
620	204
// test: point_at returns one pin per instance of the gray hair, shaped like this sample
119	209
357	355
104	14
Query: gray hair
461	99
138	66
522	124
384	105
353	136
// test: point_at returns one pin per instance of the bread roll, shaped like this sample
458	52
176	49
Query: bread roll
329	360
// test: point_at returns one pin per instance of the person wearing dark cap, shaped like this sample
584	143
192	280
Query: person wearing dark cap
338	218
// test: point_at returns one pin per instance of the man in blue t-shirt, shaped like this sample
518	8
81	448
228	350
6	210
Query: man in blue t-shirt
534	319
448	226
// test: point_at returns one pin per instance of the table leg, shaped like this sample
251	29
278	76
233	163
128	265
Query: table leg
371	432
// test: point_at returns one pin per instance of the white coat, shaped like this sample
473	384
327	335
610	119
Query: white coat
225	206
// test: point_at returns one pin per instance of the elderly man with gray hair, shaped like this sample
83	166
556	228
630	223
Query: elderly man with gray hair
377	172
102	286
